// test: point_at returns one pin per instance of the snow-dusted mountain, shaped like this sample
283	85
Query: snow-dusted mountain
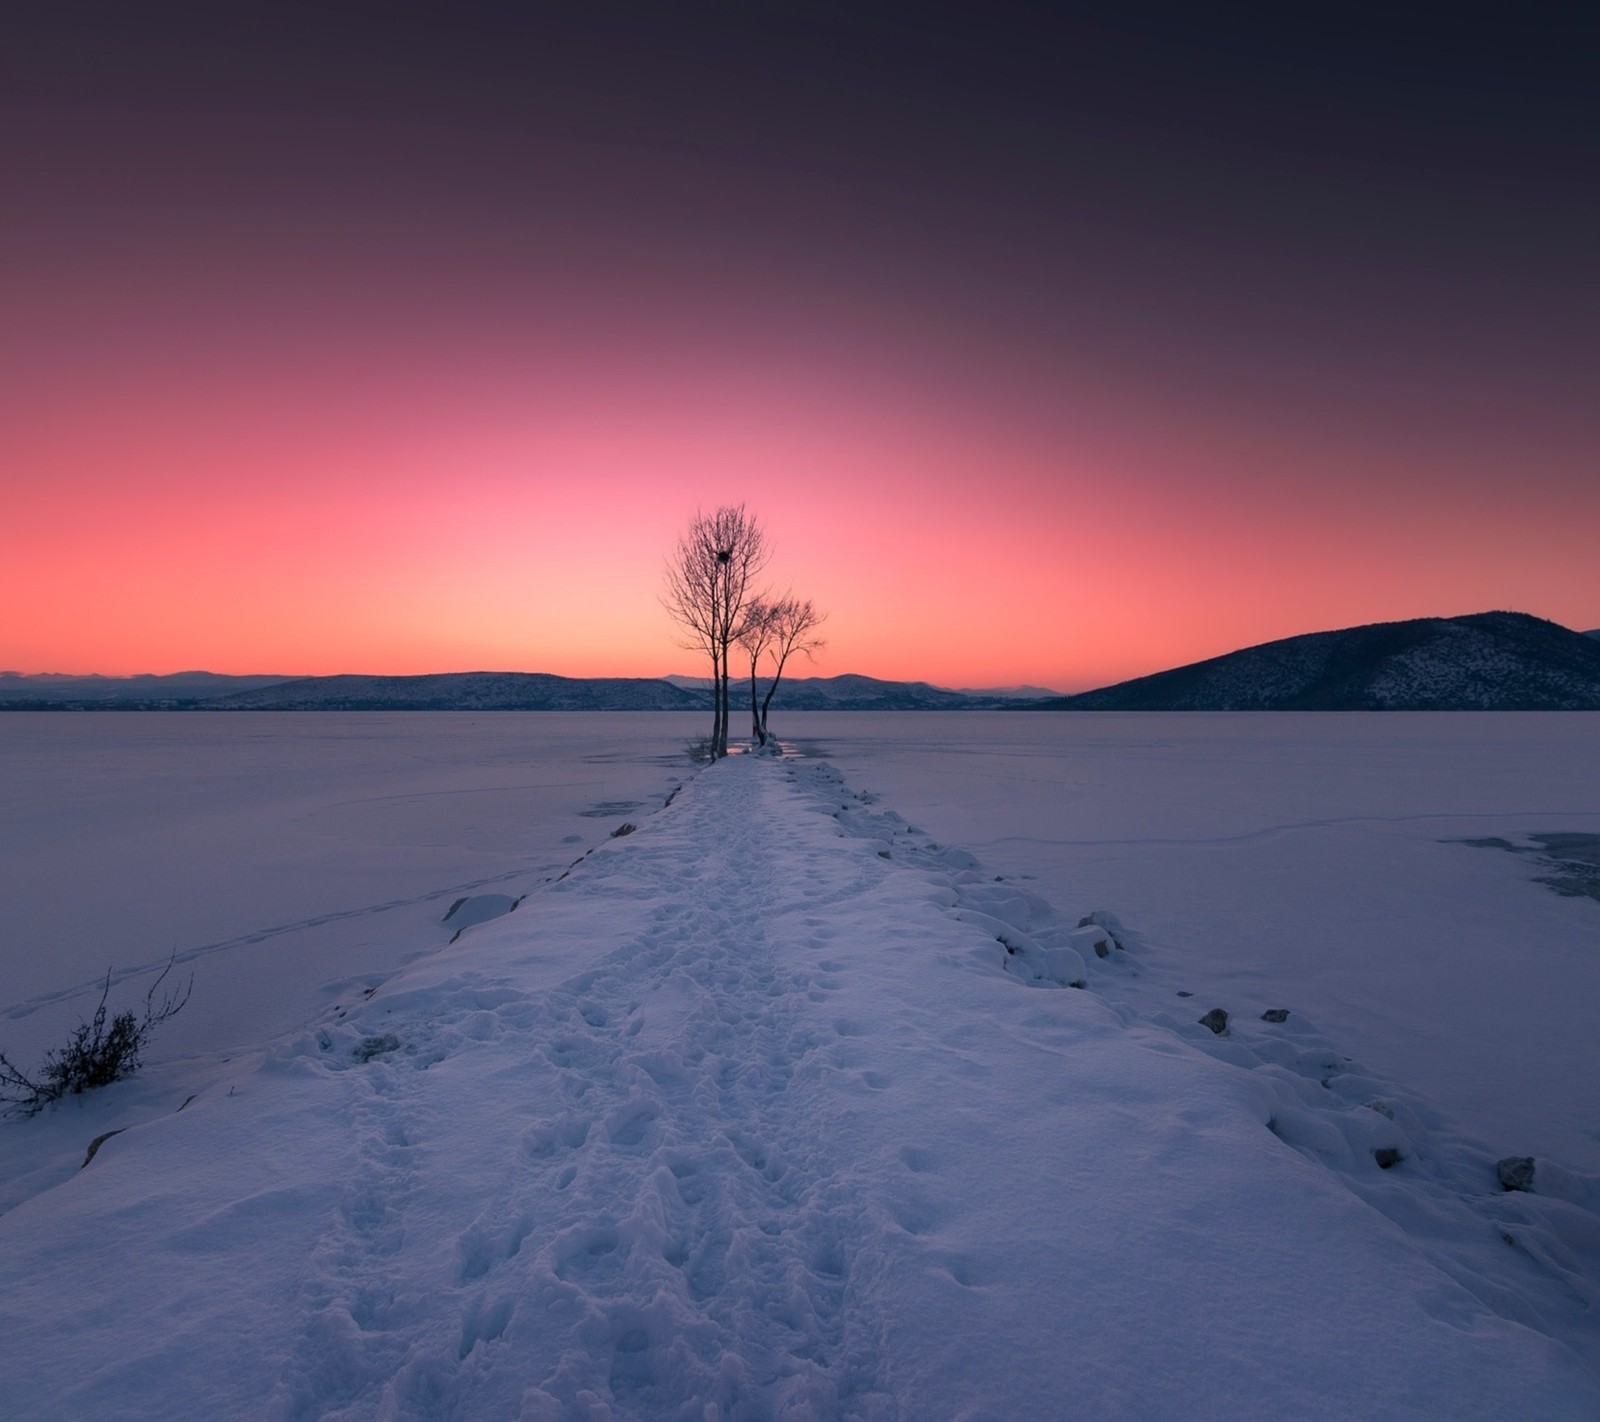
852	692
534	691
1490	661
1500	661
867	693
1009	693
173	690
465	691
471	691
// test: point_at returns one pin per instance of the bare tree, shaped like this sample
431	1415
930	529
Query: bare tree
709	590
777	630
755	637
691	597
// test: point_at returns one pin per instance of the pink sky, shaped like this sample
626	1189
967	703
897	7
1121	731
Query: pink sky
264	418
237	495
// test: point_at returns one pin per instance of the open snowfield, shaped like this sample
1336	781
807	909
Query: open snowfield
784	1105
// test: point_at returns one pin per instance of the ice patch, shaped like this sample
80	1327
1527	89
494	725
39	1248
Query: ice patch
474	909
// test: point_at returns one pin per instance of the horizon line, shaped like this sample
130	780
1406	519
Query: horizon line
669	677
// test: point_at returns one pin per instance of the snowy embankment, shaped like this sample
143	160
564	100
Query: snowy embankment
1349	867
776	1108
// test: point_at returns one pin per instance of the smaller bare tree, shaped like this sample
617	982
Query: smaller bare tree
755	638
777	630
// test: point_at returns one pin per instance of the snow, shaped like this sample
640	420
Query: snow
753	1114
1304	860
280	855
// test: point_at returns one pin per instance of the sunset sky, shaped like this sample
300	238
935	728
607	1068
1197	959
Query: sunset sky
1050	343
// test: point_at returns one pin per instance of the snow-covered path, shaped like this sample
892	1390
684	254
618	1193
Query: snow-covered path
774	1108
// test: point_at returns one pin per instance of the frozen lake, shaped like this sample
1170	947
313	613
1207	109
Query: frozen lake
1303	861
279	854
1309	861
784	1105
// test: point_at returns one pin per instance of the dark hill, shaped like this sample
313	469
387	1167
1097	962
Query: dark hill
1490	661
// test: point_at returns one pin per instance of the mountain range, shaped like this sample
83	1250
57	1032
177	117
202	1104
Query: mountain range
1489	661
173	690
465	691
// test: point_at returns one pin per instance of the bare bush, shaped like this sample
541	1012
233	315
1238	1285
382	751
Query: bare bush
776	630
100	1051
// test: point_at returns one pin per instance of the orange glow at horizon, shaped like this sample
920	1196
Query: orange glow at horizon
181	496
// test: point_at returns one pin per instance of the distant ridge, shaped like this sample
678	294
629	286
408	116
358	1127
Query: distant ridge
1008	693
464	691
537	691
147	691
1489	661
851	692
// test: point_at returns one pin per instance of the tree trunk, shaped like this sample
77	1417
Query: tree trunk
720	746
758	721
713	740
765	703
